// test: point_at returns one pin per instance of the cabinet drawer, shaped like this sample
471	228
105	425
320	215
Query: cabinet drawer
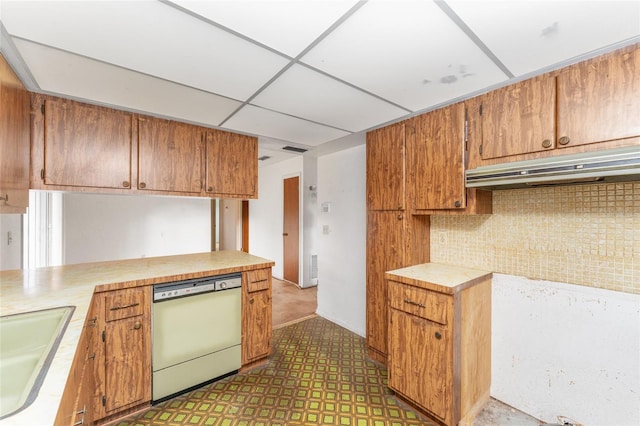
258	280
124	304
426	304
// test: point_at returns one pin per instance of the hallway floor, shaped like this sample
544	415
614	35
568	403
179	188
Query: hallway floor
290	302
318	374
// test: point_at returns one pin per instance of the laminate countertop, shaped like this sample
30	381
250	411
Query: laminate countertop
74	285
439	277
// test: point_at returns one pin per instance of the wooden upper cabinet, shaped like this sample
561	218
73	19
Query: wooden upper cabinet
231	164
14	141
519	118
85	145
435	152
599	99
169	156
386	168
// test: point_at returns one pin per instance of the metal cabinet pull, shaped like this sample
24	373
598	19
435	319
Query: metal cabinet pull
546	143
81	421
438	335
142	185
137	325
126	183
132	305
411	302
564	140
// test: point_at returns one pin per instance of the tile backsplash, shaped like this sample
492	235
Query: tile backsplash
583	234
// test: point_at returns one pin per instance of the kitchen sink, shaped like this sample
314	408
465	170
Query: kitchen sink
28	342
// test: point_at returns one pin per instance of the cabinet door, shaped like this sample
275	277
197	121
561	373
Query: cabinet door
14	141
599	99
386	168
86	145
169	156
231	164
385	251
127	373
519	118
420	362
435	158
257	327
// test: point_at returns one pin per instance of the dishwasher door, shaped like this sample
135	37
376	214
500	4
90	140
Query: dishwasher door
195	339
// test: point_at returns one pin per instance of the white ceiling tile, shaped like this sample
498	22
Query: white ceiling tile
406	51
311	95
530	35
260	121
150	37
76	76
287	26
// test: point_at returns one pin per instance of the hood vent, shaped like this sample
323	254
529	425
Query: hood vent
294	149
614	165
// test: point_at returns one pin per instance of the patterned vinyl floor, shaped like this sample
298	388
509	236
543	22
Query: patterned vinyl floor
317	375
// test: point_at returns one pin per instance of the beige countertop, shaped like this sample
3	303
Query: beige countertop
439	277
74	285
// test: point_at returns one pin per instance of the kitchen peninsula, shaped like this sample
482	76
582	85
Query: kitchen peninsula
84	285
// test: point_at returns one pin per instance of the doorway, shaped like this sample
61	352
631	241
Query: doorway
291	229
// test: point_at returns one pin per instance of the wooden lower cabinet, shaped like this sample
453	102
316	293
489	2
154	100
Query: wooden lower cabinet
440	349
256	316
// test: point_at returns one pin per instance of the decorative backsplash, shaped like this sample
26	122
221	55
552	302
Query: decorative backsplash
583	234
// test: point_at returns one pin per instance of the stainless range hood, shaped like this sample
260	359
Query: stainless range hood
614	165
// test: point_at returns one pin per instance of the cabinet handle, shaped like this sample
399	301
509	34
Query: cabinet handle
438	335
137	325
132	305
81	421
457	203
92	356
564	140
126	183
399	207
546	143
411	302
400	217
285	234
5	198
142	185
251	301
210	189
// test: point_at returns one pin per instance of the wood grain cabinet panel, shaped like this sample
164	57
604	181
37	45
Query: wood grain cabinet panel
170	156
599	99
440	349
435	148
256	316
519	118
15	105
231	165
123	359
85	145
386	168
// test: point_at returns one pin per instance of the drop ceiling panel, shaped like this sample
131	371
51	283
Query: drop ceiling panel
530	35
260	121
409	52
305	93
286	26
76	76
149	37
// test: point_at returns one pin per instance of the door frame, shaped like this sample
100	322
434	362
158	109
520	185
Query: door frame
300	224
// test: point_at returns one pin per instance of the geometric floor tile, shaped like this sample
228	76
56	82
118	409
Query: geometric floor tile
318	374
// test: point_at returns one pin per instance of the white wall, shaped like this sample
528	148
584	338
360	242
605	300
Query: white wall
566	350
266	212
10	241
341	251
230	224
110	227
309	218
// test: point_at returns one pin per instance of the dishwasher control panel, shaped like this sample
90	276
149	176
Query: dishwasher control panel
195	286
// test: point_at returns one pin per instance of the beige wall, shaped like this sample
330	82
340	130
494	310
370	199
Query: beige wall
584	234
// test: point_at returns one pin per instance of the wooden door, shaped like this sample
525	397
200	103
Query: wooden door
126	373
86	145
599	99
420	362
231	164
435	157
291	229
519	119
169	156
386	168
385	251
256	315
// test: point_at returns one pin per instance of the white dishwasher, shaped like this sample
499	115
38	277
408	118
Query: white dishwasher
196	328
